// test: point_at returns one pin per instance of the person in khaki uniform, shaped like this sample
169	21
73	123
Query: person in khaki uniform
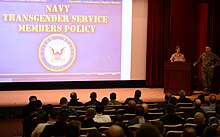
209	62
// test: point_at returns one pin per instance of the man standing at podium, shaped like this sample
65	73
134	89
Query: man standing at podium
209	62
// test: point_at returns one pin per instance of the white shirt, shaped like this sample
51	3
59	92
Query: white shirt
99	118
40	127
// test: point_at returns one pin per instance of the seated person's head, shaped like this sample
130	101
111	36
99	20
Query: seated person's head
148	130
113	96
210	131
167	96
212	99
73	95
115	131
131	104
63	101
105	101
63	116
73	129
139	111
93	96
197	103
38	104
182	93
99	108
137	94
32	98
159	126
199	118
90	113
173	101
189	132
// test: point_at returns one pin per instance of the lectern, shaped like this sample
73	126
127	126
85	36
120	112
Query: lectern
177	76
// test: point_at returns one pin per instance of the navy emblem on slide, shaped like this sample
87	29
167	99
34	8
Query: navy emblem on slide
57	52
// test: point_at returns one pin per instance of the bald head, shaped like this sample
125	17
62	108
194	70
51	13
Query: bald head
197	103
116	131
131	104
182	93
189	132
199	118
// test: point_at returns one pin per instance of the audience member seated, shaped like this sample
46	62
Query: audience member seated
173	101
170	118
139	119
113	100
52	114
73	129
163	105
74	100
159	126
88	121
148	130
146	108
93	101
189	132
182	97
59	128
210	131
34	118
201	97
200	123
29	107
136	98
131	107
65	107
197	107
115	131
99	118
215	119
105	103
212	103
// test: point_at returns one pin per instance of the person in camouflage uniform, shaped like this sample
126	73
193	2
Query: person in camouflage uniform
209	62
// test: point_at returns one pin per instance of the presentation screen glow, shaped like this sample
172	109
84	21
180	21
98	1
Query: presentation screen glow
65	40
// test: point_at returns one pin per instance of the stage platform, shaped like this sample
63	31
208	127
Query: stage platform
20	98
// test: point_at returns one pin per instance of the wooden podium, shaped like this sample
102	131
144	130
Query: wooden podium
177	76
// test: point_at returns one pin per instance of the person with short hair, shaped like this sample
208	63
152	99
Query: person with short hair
65	107
177	57
199	119
189	132
88	121
183	98
209	62
136	98
212	103
113	100
93	101
99	117
148	130
74	101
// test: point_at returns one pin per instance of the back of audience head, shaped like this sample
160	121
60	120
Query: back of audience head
63	101
73	129
173	101
182	93
189	132
199	118
167	96
146	107
73	95
131	104
100	108
139	111
63	116
32	98
212	99
210	131
48	108
159	126
170	108
137	94
113	96
148	130
197	103
105	101
93	96
38	104
115	131
53	114
90	113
